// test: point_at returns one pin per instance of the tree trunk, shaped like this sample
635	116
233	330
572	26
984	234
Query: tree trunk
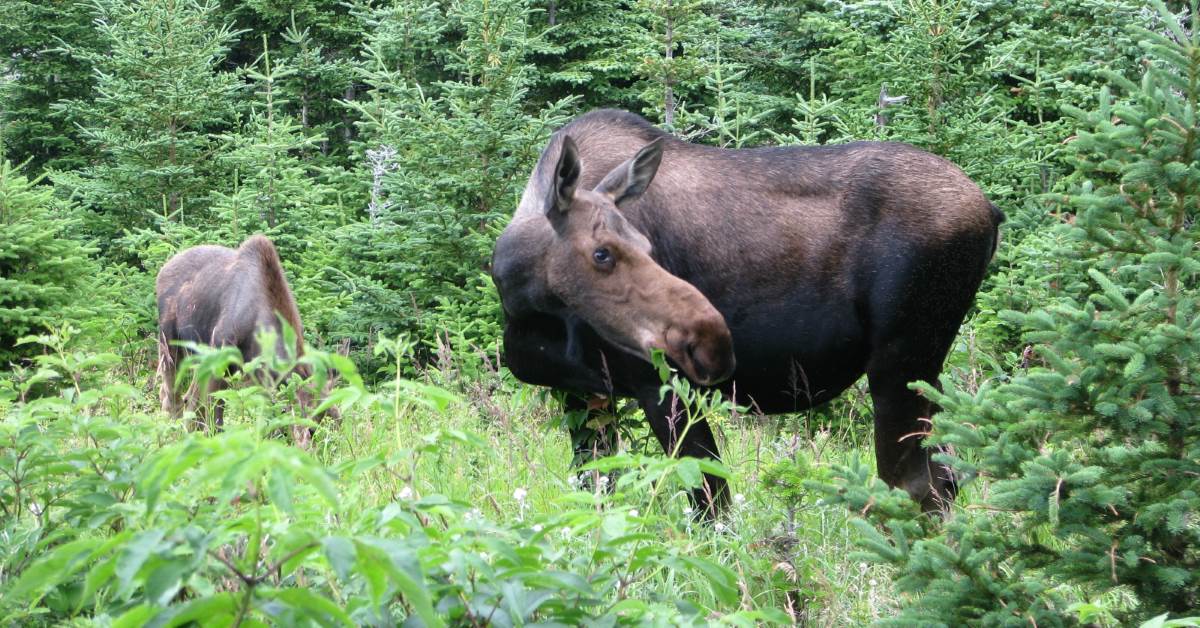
668	80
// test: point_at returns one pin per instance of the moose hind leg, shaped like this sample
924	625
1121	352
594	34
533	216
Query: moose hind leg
902	419
669	421
915	351
168	394
917	306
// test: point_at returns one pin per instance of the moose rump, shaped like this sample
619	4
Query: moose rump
223	297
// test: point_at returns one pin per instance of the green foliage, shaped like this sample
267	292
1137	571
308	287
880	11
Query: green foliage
44	271
36	72
663	52
319	40
1092	452
448	160
159	92
142	522
584	53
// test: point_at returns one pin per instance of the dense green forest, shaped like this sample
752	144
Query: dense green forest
383	145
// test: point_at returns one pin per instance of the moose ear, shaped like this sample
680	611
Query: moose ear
566	176
628	180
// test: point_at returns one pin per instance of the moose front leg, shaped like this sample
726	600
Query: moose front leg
669	421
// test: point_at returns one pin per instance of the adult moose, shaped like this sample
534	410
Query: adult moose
816	264
224	297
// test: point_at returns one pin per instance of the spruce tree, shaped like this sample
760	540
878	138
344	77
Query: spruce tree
584	56
448	158
160	94
318	40
1090	456
43	270
35	72
693	65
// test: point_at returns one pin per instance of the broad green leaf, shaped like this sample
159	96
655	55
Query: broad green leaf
136	617
165	580
221	607
134	555
52	569
413	590
689	473
279	488
714	468
720	578
341	555
312	605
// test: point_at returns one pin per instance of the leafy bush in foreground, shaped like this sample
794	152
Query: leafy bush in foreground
115	516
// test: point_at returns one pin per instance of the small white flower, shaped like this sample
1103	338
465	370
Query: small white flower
485	556
603	480
720	527
739	499
633	513
537	527
406	493
520	494
573	481
873	582
687	510
566	532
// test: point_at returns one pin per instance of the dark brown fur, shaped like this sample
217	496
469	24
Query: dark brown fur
223	297
824	262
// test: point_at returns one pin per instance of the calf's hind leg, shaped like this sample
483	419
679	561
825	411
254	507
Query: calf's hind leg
168	395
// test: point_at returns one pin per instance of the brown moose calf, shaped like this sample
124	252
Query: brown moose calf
224	298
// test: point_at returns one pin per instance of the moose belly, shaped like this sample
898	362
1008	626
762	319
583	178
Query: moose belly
795	357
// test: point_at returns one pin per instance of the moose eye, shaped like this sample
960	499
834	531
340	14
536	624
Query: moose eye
602	256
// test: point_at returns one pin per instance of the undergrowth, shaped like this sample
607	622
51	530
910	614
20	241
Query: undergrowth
421	504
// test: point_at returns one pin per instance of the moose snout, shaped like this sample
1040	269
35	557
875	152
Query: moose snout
704	351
